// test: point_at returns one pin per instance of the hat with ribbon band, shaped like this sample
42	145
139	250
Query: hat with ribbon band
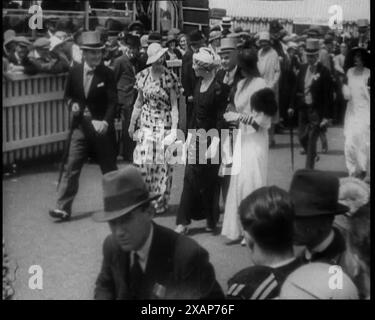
123	191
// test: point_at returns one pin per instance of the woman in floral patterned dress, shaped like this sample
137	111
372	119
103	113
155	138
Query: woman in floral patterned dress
156	111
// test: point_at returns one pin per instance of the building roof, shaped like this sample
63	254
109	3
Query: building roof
301	11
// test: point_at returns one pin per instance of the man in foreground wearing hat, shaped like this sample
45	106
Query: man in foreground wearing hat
91	95
315	195
188	78
125	68
143	260
312	98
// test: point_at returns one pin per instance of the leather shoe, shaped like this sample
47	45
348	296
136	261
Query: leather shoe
59	214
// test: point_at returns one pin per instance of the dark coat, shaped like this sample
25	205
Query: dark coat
102	97
188	77
321	91
125	72
175	262
30	68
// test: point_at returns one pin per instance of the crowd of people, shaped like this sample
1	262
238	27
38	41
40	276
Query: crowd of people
259	84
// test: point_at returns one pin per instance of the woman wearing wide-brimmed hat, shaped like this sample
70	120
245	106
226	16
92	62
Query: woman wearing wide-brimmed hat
357	117
157	112
172	53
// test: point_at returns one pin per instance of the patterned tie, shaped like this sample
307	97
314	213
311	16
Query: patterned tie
136	278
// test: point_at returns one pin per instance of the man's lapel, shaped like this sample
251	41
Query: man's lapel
124	269
81	88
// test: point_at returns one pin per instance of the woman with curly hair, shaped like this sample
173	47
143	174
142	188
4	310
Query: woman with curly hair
255	105
357	117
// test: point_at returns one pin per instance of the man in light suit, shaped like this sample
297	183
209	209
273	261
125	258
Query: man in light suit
142	260
91	94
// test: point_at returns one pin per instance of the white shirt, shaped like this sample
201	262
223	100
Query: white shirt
87	78
320	247
144	251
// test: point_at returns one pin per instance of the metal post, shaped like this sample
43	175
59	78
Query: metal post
87	8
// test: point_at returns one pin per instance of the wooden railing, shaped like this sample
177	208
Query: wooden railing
35	119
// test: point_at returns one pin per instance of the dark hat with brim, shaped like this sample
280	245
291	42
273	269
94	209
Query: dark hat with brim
123	191
312	47
315	193
196	37
154	37
136	24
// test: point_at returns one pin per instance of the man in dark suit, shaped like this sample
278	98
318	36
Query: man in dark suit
188	78
315	196
143	260
91	94
125	69
312	99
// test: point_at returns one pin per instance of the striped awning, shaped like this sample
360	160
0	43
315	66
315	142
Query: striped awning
300	11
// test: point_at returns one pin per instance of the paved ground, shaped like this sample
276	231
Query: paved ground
70	253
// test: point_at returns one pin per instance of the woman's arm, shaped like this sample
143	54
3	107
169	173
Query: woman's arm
174	112
136	112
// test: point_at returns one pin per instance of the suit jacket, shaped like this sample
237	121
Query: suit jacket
102	97
188	78
125	72
321	91
175	262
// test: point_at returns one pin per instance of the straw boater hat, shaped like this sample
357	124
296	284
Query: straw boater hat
312	46
226	22
214	35
91	41
123	191
154	52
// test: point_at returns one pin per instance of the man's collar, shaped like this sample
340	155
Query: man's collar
87	68
322	246
282	263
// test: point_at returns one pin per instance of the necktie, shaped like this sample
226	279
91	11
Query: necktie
87	83
136	278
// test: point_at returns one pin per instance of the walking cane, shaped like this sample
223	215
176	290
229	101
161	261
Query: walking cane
291	141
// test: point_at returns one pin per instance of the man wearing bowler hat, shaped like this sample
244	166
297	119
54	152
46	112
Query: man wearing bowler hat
141	259
315	196
311	97
91	95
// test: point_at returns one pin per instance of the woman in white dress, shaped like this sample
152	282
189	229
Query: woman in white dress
255	104
357	117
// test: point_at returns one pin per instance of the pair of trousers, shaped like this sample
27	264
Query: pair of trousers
198	199
127	143
308	132
103	148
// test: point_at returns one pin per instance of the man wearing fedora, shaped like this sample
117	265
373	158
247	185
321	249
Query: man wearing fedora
91	95
188	78
141	259
125	68
311	97
315	195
